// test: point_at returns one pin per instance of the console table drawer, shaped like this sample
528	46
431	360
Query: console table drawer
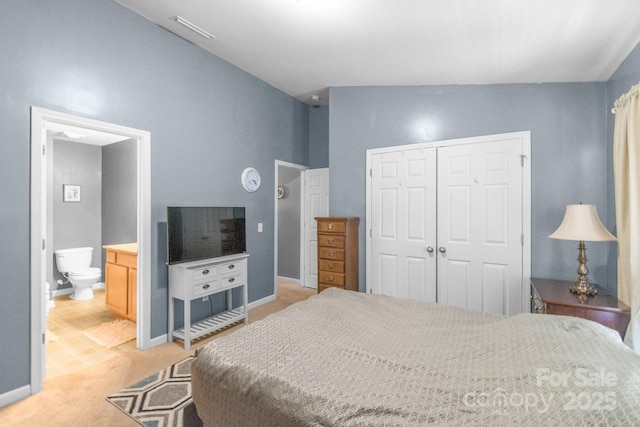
205	288
205	273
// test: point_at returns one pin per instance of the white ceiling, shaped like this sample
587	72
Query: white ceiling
302	47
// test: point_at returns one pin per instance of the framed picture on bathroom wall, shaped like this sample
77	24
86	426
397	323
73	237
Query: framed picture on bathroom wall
70	193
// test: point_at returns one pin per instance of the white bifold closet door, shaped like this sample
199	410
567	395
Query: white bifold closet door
447	225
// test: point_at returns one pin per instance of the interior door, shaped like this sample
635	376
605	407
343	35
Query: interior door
403	237
480	226
316	203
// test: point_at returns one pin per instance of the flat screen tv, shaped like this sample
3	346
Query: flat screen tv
197	233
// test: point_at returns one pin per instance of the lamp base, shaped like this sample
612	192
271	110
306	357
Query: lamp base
580	288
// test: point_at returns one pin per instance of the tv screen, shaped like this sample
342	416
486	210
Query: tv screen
196	233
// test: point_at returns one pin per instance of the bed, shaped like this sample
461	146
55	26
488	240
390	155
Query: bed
344	358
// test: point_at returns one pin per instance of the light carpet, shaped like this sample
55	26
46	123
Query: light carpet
112	334
162	399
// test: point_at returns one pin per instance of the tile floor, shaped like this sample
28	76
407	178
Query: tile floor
68	350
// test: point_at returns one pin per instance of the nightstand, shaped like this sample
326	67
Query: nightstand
553	297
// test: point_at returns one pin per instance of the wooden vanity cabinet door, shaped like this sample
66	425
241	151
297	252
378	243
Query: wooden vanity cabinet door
133	294
116	278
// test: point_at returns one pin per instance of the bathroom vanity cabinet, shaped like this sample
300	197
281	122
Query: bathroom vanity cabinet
121	277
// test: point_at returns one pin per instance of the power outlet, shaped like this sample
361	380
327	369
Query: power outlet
205	298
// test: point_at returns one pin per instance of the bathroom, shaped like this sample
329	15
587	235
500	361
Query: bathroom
91	202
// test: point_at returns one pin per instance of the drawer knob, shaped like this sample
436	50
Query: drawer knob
330	241
331	266
205	271
232	279
206	286
331	254
232	266
331	278
330	227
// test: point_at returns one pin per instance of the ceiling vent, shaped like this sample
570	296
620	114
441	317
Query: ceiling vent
193	27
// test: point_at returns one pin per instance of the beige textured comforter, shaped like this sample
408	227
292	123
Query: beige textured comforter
343	358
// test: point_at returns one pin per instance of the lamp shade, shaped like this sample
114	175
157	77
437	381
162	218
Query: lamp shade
581	222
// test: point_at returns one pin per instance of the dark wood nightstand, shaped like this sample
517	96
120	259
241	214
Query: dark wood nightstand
553	297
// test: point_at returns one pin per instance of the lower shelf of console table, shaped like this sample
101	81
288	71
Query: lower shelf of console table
210	324
195	280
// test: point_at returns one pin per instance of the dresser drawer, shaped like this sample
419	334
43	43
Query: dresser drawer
330	241
205	273
331	253
331	227
323	286
334	266
330	278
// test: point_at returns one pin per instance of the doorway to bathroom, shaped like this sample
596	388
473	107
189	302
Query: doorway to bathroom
51	131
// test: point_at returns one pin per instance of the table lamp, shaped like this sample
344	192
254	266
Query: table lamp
581	223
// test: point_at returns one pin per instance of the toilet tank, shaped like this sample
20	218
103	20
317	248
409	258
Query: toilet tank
73	259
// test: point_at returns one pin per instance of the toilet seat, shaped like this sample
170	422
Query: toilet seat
85	272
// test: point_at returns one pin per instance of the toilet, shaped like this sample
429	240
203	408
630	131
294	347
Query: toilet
75	265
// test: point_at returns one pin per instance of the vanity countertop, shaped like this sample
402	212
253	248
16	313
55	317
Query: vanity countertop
130	248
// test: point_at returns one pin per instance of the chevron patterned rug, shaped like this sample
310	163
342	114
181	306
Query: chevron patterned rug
162	399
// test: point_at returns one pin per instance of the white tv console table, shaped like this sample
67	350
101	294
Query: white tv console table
192	280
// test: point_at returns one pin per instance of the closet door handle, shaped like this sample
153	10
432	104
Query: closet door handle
442	249
430	249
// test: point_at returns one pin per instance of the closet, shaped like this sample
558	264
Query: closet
449	222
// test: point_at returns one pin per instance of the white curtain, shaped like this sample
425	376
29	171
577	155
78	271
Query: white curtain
626	169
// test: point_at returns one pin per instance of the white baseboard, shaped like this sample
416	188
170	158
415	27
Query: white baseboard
14	395
158	340
260	302
289	279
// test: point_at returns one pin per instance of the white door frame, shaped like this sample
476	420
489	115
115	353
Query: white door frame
301	168
41	119
525	137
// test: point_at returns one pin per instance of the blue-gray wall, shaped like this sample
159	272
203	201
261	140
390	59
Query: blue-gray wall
119	193
569	148
208	121
319	137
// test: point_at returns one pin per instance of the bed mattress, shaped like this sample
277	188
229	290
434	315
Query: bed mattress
343	358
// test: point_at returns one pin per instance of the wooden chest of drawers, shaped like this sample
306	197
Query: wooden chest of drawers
338	253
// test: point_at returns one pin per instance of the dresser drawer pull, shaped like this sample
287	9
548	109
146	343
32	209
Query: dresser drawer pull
331	254
232	279
330	227
205	286
330	242
331	278
232	266
205	271
332	266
